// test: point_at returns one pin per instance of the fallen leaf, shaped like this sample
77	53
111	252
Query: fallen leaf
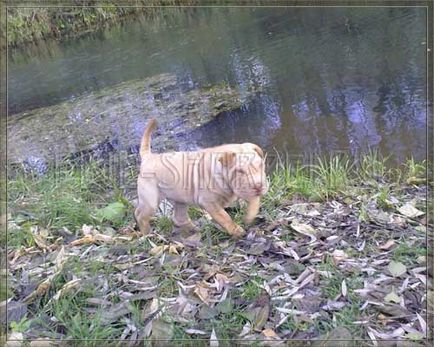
304	229
399	332
158	250
392	297
103	238
422	323
213	341
87	229
410	211
116	311
416	180
339	256
40	290
60	260
113	212
195	332
202	293
396	268
269	333
43	343
414	336
67	287
246	329
15	339
86	240
173	249
40	242
388	245
333	305
344	288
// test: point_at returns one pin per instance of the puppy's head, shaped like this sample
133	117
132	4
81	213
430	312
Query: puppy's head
245	171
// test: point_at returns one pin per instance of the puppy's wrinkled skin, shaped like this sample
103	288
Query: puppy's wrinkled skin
211	178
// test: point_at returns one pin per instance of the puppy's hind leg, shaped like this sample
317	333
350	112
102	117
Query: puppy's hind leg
148	201
181	218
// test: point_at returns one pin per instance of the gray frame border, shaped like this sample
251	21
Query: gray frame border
427	4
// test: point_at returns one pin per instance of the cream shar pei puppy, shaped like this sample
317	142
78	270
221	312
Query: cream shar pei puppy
211	178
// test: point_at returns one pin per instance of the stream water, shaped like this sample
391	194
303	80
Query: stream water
332	79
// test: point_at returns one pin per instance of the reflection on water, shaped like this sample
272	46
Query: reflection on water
332	78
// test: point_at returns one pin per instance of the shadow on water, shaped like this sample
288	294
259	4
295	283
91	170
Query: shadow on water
332	79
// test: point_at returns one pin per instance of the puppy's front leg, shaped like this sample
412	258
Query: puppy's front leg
222	218
252	210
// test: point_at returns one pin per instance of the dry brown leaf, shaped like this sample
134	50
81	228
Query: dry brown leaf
416	181
86	240
40	242
67	287
202	293
269	333
103	238
60	260
158	250
388	245
40	290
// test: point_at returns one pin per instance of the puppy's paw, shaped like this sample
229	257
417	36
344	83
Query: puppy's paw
248	219
238	232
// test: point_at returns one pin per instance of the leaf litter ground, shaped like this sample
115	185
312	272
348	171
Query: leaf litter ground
344	270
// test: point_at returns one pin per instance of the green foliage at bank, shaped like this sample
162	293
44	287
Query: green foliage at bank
26	24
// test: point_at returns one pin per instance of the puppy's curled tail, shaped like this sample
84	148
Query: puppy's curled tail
145	146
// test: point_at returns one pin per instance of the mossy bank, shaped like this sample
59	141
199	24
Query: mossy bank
113	119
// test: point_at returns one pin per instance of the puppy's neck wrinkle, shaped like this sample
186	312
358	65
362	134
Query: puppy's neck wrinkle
222	177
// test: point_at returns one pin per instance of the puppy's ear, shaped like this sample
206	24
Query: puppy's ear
227	159
259	151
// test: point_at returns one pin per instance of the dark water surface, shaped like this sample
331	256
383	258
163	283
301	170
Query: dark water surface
333	79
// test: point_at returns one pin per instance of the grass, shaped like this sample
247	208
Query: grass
407	253
33	24
70	196
332	176
67	197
